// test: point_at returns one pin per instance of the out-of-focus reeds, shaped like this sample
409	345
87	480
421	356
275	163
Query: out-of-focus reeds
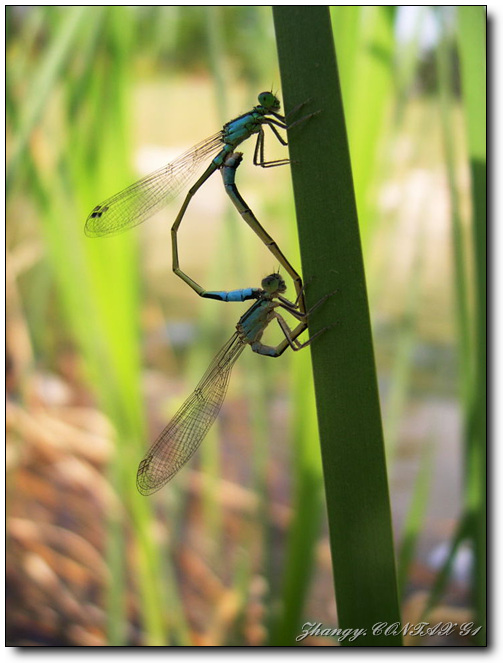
104	342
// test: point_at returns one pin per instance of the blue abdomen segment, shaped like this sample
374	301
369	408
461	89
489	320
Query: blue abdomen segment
232	295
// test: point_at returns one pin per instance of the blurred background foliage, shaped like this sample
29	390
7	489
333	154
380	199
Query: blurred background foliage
104	343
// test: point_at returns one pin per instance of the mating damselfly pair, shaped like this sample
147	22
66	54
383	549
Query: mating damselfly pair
140	201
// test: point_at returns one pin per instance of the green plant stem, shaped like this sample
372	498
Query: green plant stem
343	359
445	76
414	520
303	531
366	38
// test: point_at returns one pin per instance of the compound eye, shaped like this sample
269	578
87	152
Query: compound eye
267	99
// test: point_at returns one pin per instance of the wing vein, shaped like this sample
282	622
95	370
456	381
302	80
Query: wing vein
141	200
183	435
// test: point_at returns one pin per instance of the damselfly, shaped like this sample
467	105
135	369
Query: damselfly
141	200
183	435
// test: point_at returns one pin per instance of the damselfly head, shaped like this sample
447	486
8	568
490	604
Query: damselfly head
269	101
273	284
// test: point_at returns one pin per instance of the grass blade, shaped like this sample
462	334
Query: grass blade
415	517
366	81
343	360
45	80
472	51
307	511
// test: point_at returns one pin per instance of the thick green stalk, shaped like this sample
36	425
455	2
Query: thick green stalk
343	359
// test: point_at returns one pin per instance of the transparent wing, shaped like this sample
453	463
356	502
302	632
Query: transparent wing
183	435
141	200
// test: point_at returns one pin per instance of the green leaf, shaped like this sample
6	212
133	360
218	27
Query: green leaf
343	358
